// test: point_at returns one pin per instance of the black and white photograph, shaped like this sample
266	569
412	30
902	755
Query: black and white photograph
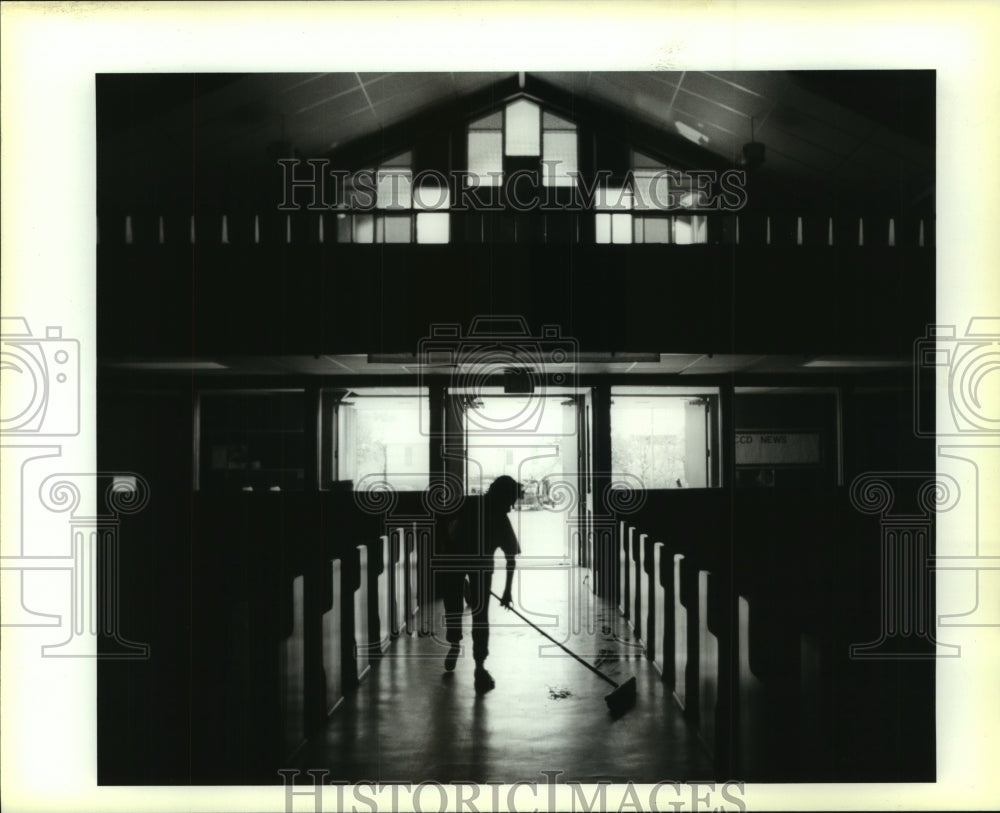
503	433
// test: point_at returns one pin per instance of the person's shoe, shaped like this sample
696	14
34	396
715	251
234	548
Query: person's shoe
484	680
451	658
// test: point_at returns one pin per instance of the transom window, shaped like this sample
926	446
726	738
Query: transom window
657	193
522	130
406	209
390	203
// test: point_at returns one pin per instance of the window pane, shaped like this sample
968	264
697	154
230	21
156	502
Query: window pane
393	189
621	228
484	157
492	122
431	197
693	200
560	148
602	228
660	440
360	196
690	229
343	228
433	227
397	229
402	160
552	122
364	228
657	230
523	128
640	161
652	190
381	441
614	197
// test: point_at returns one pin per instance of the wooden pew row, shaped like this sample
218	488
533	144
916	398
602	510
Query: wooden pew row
758	611
296	610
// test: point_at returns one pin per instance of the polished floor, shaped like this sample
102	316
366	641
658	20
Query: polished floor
410	720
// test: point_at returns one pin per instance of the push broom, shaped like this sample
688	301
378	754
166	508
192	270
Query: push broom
624	695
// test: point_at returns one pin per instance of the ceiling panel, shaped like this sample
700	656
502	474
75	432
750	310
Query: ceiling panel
803	152
367	78
703	111
897	147
303	95
240	119
330	96
785	124
399	85
764	84
727	98
827	114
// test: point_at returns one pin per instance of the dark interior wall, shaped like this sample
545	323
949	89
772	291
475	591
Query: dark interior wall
145	706
284	299
881	432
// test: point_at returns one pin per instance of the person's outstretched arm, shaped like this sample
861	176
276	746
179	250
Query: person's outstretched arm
506	599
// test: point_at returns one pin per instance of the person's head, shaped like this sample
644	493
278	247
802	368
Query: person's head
503	493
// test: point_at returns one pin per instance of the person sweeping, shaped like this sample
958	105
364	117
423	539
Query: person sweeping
473	538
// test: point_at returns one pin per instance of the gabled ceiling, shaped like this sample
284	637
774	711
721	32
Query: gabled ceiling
863	132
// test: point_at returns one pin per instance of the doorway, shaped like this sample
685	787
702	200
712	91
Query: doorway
543	442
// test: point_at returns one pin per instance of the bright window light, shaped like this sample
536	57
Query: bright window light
559	157
653	190
393	189
485	157
523	128
430	197
660	441
621	228
614	198
433	227
364	228
690	230
602	228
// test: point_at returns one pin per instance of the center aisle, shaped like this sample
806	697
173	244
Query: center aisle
411	721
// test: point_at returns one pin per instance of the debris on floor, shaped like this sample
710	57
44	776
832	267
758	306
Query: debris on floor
559	694
606	656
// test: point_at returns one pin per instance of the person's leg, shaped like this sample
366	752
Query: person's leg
479	595
451	584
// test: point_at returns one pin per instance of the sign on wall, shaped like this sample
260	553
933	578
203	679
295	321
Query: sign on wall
777	448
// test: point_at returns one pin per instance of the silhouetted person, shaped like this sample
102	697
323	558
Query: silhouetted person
473	538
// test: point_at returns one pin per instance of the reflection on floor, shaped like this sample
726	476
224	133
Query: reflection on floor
412	721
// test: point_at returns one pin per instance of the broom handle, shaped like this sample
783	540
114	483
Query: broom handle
563	647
